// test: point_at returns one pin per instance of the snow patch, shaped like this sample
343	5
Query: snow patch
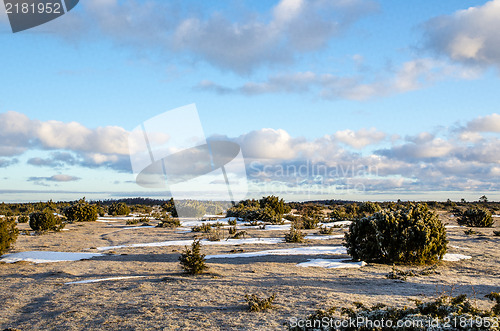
331	264
313	250
198	223
139	227
229	242
458	247
46	256
102	280
455	257
316	237
338	223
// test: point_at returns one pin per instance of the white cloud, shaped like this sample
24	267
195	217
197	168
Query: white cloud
421	162
490	123
18	133
54	178
412	75
296	26
268	144
237	43
102	146
469	36
62	178
361	138
414	151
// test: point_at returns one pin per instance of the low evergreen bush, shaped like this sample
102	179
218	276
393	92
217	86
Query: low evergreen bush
81	211
8	233
309	223
45	220
192	260
168	222
118	209
444	313
23	219
239	234
255	303
325	230
143	220
411	234
295	235
476	217
205	228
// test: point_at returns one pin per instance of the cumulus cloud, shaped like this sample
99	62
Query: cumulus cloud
424	162
239	43
18	133
463	159
268	144
73	143
412	75
295	26
489	123
414	151
361	138
468	36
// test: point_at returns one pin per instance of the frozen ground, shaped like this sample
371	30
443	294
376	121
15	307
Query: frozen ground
123	284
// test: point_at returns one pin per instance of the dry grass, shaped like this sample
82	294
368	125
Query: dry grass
35	296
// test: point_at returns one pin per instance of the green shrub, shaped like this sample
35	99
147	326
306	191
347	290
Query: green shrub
496	233
407	235
476	217
8	233
255	303
204	227
433	315
268	209
45	220
232	230
231	222
168	222
404	274
470	232
325	230
295	235
81	211
369	207
239	234
309	223
23	219
494	296
192	261
118	209
347	212
133	221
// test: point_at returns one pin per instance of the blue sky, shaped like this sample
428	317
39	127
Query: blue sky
408	90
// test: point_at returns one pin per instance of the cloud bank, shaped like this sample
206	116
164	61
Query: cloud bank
238	43
467	36
466	157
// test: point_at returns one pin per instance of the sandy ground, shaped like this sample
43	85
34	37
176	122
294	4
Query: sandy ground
35	296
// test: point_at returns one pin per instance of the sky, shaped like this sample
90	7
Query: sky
340	99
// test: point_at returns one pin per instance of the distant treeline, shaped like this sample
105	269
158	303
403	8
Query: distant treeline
145	205
444	205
